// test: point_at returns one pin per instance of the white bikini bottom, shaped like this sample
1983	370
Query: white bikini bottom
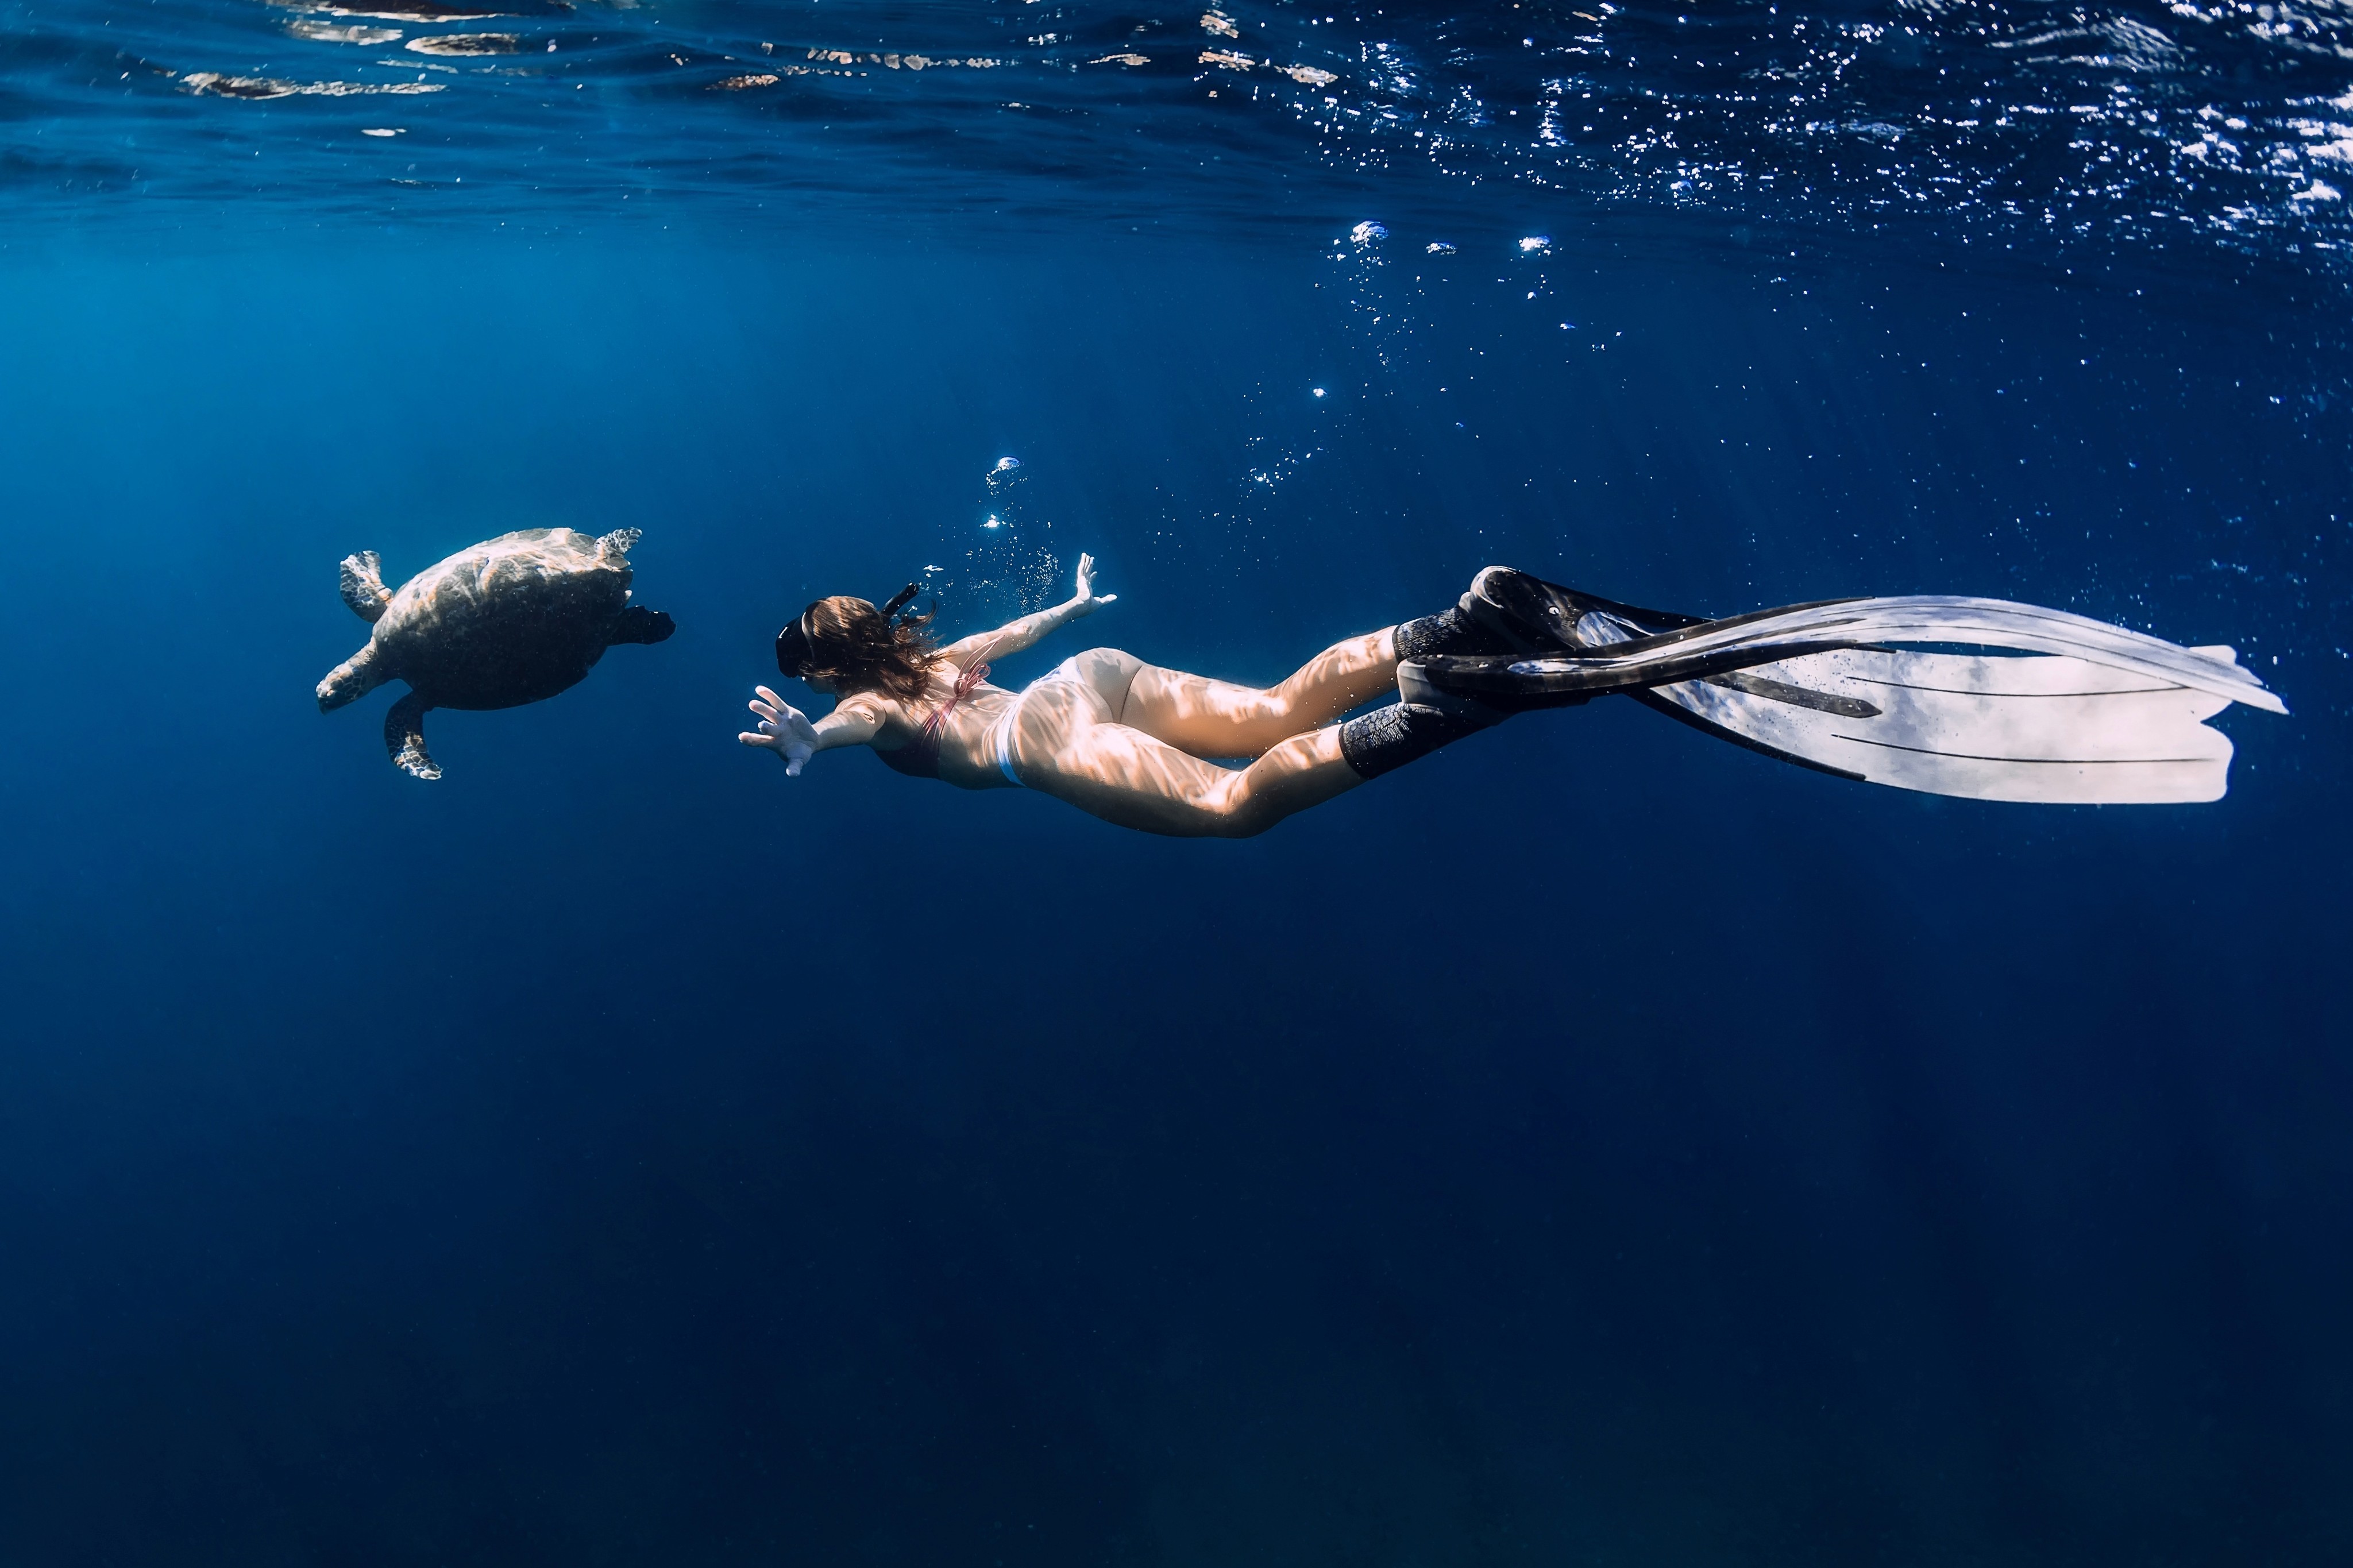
1000	734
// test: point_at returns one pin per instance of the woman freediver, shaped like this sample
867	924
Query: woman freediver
1870	689
1116	737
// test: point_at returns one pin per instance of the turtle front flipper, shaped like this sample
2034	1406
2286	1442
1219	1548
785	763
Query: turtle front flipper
363	588
353	679
404	737
637	624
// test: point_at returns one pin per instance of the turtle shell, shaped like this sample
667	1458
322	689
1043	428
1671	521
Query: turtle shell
509	621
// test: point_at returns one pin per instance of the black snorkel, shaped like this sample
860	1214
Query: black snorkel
793	642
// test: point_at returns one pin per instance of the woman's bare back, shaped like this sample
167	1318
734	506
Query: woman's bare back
959	744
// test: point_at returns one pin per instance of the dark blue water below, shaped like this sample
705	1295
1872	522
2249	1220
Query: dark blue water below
1595	1144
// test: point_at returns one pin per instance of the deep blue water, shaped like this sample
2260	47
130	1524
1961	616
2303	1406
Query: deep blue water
1595	1144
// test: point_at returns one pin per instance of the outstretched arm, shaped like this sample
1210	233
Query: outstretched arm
787	730
1015	635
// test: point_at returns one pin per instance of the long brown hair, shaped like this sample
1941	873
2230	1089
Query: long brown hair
859	648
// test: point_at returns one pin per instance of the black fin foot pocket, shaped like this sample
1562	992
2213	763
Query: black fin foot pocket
1450	631
1532	616
1386	739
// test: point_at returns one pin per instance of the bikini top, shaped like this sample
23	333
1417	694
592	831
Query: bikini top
919	758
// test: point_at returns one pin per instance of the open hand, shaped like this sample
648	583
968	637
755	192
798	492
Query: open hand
1087	598
784	729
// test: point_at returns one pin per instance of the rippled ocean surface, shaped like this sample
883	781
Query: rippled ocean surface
2096	129
1595	1145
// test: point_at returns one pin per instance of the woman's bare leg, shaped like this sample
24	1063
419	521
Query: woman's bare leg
1125	777
1131	780
1218	718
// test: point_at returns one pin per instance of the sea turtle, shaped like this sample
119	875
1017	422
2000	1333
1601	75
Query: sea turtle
510	621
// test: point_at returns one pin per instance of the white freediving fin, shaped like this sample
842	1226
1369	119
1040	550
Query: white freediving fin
2069	709
2043	728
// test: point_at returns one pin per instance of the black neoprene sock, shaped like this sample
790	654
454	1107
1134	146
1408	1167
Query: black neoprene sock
1449	631
1387	737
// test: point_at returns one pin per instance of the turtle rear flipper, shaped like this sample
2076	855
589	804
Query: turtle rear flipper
616	546
363	588
404	737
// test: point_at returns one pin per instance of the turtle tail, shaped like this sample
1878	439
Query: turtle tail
404	737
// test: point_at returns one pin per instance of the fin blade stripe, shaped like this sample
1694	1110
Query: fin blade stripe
2038	762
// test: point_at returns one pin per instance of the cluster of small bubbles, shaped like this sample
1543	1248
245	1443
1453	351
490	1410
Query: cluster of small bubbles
1392	304
1011	570
1283	448
1386	327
